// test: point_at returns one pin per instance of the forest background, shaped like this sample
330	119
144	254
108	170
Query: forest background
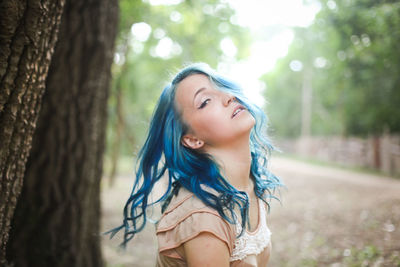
79	81
338	79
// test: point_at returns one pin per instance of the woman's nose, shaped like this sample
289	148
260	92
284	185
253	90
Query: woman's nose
227	99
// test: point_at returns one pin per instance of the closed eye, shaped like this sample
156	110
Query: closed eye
204	103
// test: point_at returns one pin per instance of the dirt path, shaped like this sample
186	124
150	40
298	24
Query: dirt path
334	217
328	217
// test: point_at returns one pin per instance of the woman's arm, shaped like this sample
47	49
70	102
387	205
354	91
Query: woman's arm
206	250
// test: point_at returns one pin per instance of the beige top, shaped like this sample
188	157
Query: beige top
187	216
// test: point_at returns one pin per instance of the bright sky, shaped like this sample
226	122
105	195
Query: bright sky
261	16
269	22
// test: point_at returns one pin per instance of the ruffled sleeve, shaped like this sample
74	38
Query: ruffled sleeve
186	218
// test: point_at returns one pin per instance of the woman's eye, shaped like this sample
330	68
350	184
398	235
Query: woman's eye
204	103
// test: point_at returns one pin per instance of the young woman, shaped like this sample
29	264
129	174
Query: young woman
209	142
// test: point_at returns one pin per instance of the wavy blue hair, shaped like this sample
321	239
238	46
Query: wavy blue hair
163	153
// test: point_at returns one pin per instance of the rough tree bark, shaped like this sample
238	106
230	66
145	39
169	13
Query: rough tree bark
28	33
57	218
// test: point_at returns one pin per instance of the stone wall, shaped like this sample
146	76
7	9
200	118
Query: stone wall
381	153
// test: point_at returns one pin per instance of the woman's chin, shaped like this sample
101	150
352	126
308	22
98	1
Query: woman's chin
250	122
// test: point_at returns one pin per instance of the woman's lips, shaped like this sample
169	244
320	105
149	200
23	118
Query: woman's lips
237	110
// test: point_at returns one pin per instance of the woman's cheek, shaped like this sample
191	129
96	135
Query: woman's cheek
210	128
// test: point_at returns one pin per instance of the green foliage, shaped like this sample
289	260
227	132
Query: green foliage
284	100
351	51
362	257
192	29
309	263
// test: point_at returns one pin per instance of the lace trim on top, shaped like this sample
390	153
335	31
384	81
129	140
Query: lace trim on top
254	242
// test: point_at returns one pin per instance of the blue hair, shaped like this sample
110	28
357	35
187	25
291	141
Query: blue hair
164	155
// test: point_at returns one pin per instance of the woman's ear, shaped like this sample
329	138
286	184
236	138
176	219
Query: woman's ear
191	141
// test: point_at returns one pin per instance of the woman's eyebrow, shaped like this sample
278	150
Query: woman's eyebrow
198	92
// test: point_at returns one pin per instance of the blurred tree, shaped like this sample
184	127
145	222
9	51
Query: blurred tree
352	50
57	219
160	40
28	34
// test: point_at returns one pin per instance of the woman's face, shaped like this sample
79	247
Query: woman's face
214	117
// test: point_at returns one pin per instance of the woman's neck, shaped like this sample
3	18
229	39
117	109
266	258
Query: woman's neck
235	163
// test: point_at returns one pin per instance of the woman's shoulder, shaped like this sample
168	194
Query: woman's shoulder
182	206
186	217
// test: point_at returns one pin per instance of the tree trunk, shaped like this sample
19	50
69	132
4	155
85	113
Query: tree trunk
28	33
306	103
57	219
120	124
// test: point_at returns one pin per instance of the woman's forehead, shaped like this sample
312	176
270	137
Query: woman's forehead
188	87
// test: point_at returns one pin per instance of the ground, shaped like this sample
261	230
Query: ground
327	217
